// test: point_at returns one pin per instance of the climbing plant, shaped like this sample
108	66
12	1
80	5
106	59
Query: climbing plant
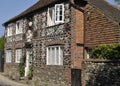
21	67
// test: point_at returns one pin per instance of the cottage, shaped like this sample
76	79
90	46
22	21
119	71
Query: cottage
54	36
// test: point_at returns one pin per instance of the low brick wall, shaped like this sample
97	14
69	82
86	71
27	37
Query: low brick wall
101	73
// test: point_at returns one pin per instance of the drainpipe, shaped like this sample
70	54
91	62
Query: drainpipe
84	41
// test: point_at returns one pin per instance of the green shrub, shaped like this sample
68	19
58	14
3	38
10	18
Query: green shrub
30	74
2	40
106	51
21	67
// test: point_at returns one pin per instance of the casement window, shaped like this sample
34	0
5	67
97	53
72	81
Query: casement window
54	55
59	13
19	28
18	55
9	30
8	56
55	15
88	53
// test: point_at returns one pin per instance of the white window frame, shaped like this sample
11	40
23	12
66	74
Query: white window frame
18	54
55	15
54	56
8	56
19	26
9	30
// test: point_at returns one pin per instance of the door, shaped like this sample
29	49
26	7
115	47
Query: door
76	77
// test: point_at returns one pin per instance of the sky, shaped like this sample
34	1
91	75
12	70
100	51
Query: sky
11	8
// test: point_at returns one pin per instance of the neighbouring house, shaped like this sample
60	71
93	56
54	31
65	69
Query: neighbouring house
54	36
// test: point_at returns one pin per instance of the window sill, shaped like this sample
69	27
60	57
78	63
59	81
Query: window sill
56	66
55	25
9	36
8	62
18	33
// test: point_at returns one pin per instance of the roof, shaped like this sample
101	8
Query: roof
108	9
111	11
40	4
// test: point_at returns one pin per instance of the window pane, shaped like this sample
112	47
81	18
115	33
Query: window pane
54	55
8	56
59	16
61	56
18	55
48	56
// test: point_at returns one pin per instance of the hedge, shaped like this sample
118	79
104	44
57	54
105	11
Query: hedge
106	51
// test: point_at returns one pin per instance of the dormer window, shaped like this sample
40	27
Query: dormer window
9	30
19	28
55	15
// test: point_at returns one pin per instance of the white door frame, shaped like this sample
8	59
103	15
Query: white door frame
28	61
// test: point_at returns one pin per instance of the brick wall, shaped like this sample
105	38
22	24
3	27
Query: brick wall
100	29
77	37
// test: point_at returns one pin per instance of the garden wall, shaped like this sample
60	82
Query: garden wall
101	73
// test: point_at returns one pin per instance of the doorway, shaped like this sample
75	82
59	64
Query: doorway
76	77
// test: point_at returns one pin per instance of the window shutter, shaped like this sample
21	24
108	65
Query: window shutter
50	17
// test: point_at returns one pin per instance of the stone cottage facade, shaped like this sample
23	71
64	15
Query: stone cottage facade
55	36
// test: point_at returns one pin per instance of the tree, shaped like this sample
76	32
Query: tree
2	40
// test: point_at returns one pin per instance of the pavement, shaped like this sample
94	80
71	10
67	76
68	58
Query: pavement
4	81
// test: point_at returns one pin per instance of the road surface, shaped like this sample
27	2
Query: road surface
4	81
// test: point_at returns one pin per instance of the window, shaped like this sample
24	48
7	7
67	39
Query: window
18	55
88	53
59	13
8	56
55	15
19	27
9	30
54	55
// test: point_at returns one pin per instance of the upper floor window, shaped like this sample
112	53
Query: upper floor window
18	55
19	26
9	30
54	55
59	13
55	15
8	56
